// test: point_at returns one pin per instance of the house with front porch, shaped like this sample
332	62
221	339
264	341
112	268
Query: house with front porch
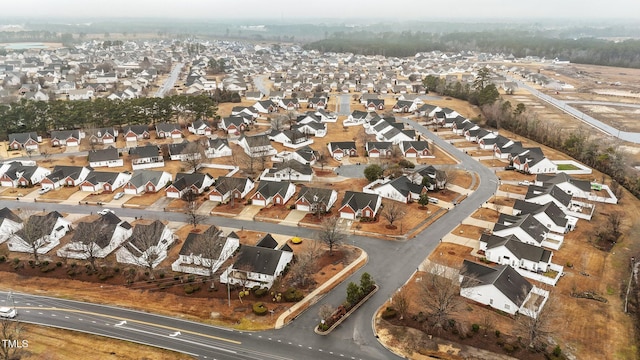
102	135
510	250
134	133
146	157
168	131
226	188
28	141
66	137
290	170
215	148
109	157
195	182
257	266
376	149
64	175
104	181
200	127
96	239
15	174
257	145
359	204
42	232
401	189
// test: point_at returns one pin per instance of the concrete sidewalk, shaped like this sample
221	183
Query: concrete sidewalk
315	296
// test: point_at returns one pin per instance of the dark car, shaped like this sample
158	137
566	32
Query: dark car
510	167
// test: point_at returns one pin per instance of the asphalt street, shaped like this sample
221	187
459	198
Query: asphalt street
390	263
171	80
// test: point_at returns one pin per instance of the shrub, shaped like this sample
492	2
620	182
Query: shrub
73	265
497	333
116	269
190	289
191	278
323	327
366	283
59	264
102	277
508	348
406	164
475	328
3	259
261	292
259	309
32	263
389	313
16	261
500	342
557	351
293	294
45	263
354	293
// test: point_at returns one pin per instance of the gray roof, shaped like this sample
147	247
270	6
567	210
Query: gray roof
513	285
144	236
271	188
360	200
562	177
526	222
107	154
142	177
259	260
192	242
517	247
555	192
551	209
6	213
268	242
145	151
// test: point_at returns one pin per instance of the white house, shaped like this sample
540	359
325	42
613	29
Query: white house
257	266
9	223
63	175
316	200
109	157
511	251
291	170
226	188
147	245
15	173
147	181
42	232
97	239
191	258
400	189
276	192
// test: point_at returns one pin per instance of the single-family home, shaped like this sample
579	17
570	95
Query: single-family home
134	133
273	192
437	178
109	157
168	131
146	181
235	124
28	141
9	223
257	266
574	187
104	181
359	204
340	149
147	246
257	145
65	175
102	135
510	250
226	188
98	238
200	127
204	253
215	148
16	174
196	182
549	215
65	138
376	149
315	200
39	233
185	151
145	157
399	189
415	149
291	170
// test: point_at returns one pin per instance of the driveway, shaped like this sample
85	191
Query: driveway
249	212
75	198
351	171
294	217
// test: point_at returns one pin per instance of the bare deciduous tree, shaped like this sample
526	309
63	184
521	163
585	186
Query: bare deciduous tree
325	311
401	303
194	152
191	209
332	232
144	244
209	247
11	332
392	211
535	329
441	293
305	264
88	235
35	232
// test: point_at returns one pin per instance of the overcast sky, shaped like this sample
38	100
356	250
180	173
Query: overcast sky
339	9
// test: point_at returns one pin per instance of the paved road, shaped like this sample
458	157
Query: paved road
259	82
633	137
171	80
391	264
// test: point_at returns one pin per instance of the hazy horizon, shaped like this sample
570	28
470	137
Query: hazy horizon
464	10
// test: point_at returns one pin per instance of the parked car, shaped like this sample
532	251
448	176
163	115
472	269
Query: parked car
510	167
43	191
118	196
105	211
524	182
433	200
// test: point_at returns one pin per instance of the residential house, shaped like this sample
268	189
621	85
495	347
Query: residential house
168	131
379	149
257	145
403	106
109	157
134	133
102	135
533	161
200	127
28	141
196	182
290	170
265	106
510	250
502	288
234	124
399	189
97	239
10	223
316	200
193	258
290	138
147	181
359	204
574	187
415	149
549	215
16	174
65	138
226	188
216	148
145	157
185	151
104	181
64	175
273	192
528	229
340	149
147	246
257	266
39	232
437	178
374	104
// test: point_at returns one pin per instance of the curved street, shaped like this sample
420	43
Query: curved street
391	263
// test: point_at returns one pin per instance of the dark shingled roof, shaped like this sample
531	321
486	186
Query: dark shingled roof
258	259
513	285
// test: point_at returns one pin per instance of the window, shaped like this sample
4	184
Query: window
506	306
490	301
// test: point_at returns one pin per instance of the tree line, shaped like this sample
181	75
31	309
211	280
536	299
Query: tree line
585	50
41	117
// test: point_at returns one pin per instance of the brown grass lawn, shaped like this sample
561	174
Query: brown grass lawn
444	195
462	178
494	163
57	344
500	200
441	158
514	176
229	208
16	192
450	254
100	197
412	217
516	189
468	231
275	212
62	193
146	198
486	214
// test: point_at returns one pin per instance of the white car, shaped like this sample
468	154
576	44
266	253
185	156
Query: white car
433	200
118	196
105	211
43	191
524	182
7	312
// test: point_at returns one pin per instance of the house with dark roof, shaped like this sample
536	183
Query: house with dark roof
502	288
359	204
146	157
133	133
193	259
401	189
533	161
257	266
437	178
16	174
226	188
376	149
404	106
290	170
215	148
196	182
574	187
168	131
28	141
147	181
528	229
63	175
102	135
316	200
340	149
257	145
9	223
273	192
234	124
415	149
549	214
200	127
374	104
109	157
104	181
148	244
510	250
290	138
97	238
66	137
42	232
185	151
